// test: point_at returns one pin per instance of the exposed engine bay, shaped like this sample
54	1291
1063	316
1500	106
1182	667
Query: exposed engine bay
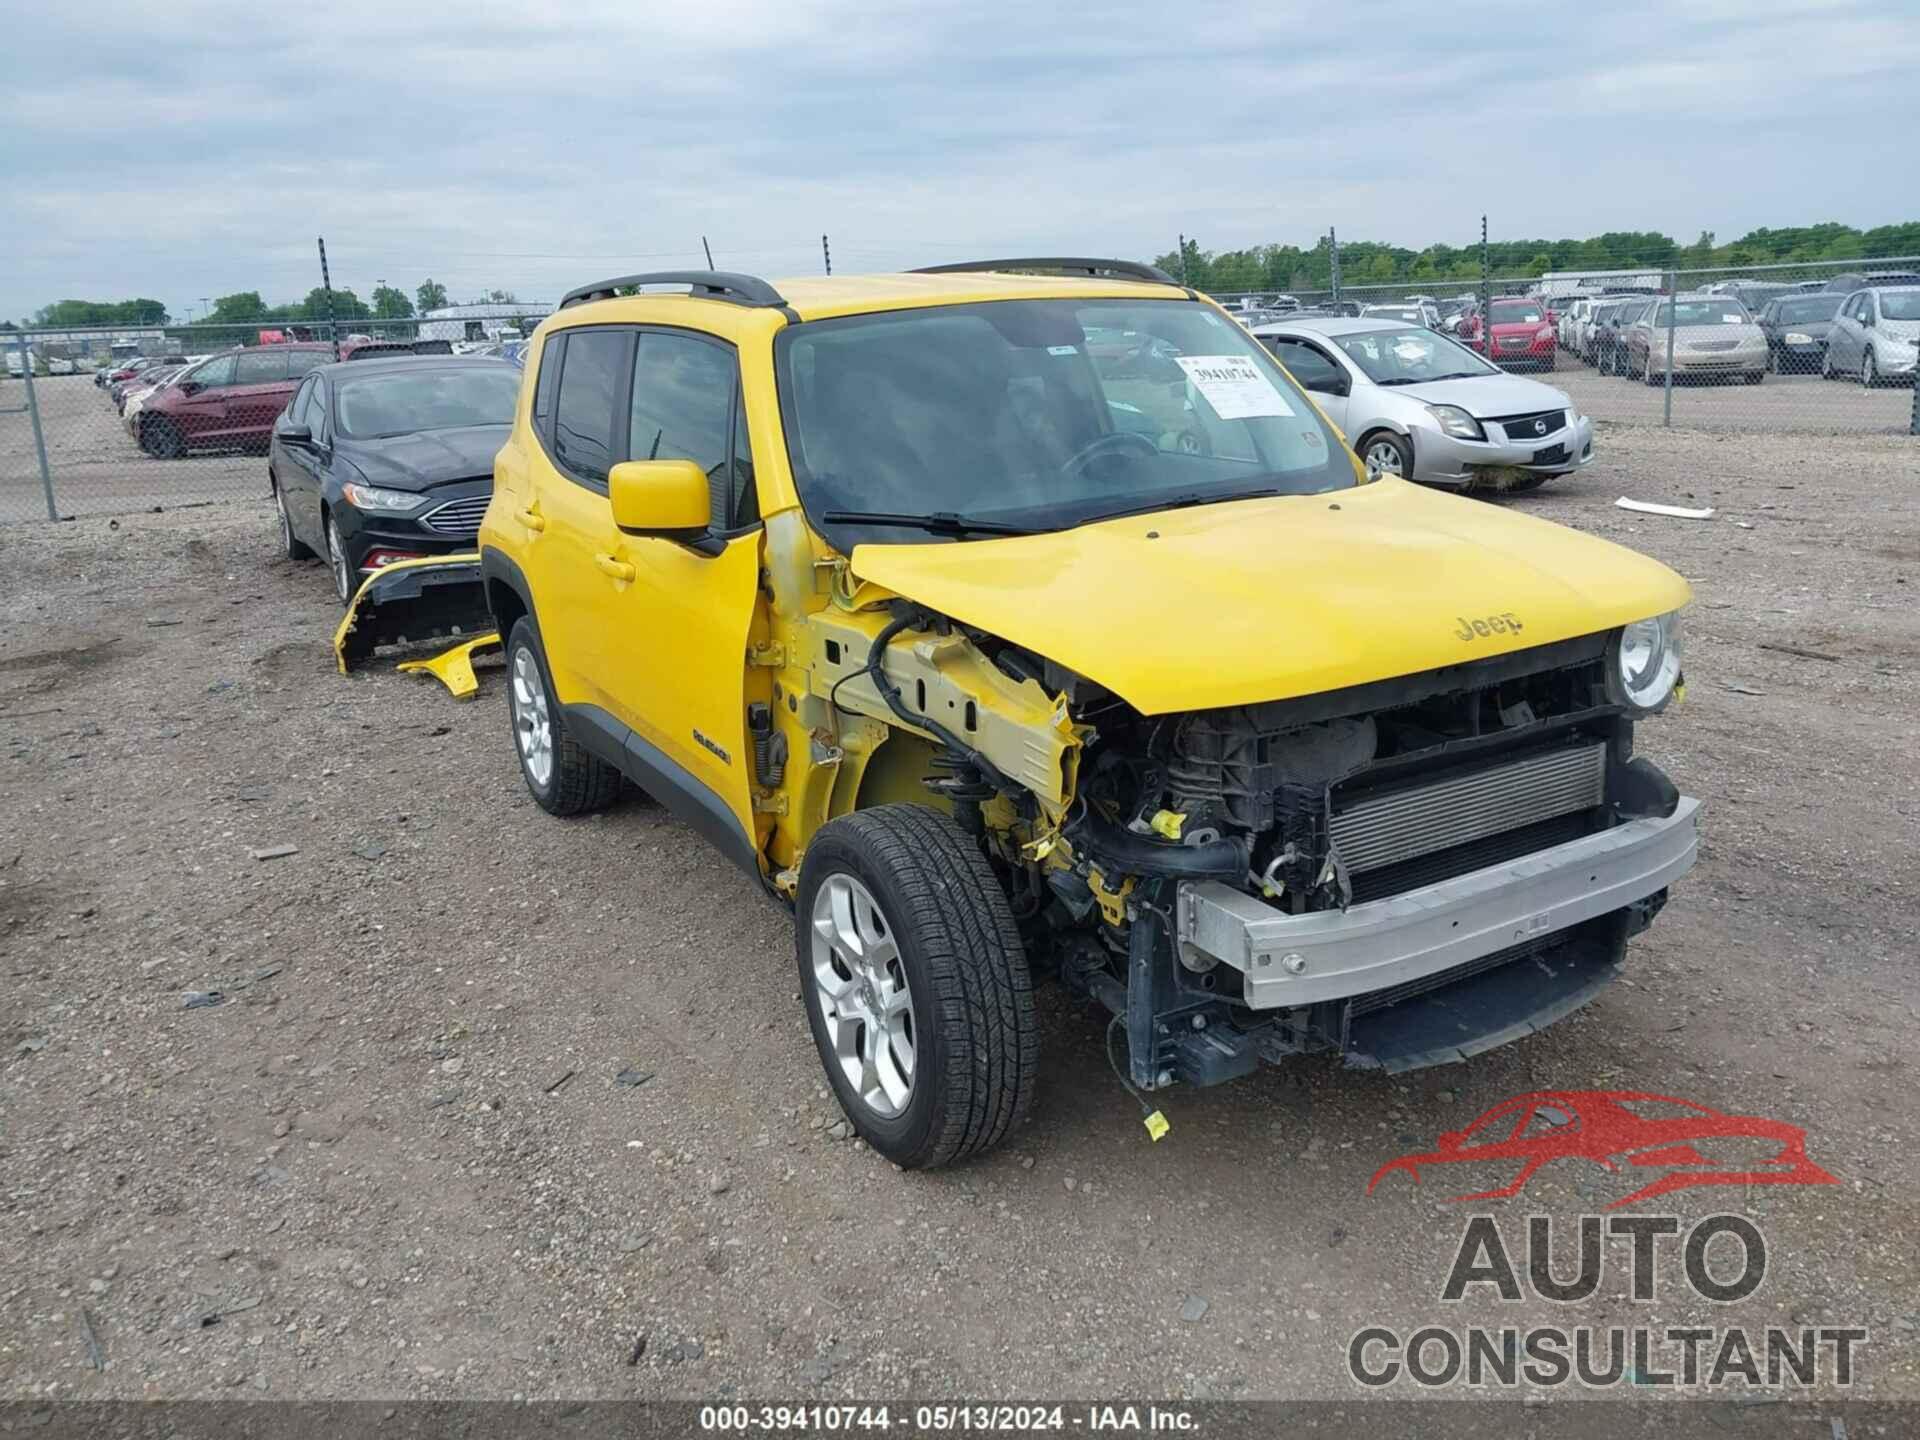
1300	808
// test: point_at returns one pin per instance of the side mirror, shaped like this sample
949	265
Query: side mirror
1866	322
296	435
191	387
1331	385
660	497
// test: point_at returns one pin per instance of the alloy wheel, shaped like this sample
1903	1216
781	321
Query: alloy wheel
532	720
1385	457
1867	377
865	1002
337	560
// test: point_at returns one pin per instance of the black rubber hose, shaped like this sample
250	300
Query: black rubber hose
1130	853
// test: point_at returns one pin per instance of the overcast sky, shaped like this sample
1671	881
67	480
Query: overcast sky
182	150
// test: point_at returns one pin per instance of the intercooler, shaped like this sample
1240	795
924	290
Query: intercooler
1382	829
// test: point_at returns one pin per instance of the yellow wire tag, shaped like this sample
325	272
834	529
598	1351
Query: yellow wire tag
1157	1125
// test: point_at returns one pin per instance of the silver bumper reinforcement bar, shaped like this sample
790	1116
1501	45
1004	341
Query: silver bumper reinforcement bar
1293	960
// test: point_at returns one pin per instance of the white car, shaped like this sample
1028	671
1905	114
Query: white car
1572	310
136	399
60	366
1409	312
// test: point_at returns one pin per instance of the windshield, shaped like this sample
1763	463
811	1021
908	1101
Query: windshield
399	404
1814	307
1409	313
1900	305
1713	310
1039	415
1407	357
1523	312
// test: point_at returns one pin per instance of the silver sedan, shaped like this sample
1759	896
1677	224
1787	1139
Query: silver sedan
1419	405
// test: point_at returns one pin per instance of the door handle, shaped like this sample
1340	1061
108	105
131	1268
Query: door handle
618	569
530	520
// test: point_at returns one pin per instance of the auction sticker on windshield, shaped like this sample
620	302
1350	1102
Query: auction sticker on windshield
1234	386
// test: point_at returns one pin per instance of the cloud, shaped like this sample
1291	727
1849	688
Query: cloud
170	151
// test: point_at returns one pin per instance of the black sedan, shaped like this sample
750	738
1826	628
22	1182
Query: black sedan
1796	329
380	460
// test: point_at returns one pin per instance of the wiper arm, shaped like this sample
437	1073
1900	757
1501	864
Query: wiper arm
1183	501
1400	380
940	522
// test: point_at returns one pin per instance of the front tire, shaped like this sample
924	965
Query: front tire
338	564
161	439
1387	452
292	548
916	985
1869	377
563	776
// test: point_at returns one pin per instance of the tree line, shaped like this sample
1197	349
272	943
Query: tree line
1368	262
247	307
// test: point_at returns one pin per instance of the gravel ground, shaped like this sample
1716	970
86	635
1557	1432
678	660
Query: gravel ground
404	1158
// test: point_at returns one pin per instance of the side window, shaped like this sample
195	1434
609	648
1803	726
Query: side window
299	362
260	367
546	381
1308	365
297	410
318	421
683	409
1861	307
746	499
214	373
590	379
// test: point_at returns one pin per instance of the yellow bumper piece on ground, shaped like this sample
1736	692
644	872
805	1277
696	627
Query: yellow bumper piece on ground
454	668
411	602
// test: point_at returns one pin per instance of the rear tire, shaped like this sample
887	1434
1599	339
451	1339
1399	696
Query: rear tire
563	776
902	933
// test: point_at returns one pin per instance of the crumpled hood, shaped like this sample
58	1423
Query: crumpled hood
1282	596
427	457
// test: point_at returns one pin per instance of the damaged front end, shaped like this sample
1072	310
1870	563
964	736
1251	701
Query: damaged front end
1406	873
412	602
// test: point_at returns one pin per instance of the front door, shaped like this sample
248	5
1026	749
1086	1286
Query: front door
201	412
1319	372
674	657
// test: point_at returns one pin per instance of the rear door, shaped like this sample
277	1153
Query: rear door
563	513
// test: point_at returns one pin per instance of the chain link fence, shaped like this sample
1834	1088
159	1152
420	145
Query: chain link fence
111	419
1821	346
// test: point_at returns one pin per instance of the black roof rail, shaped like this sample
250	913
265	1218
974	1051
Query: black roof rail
1130	269
702	284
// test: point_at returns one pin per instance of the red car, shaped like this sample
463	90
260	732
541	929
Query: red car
1616	1128
227	401
1522	334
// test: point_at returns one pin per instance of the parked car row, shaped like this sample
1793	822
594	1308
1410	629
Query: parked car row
1868	334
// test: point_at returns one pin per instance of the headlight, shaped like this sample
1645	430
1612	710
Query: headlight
1457	422
1643	663
1794	337
381	502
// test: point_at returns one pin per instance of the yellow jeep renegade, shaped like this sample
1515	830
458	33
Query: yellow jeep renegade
1024	617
